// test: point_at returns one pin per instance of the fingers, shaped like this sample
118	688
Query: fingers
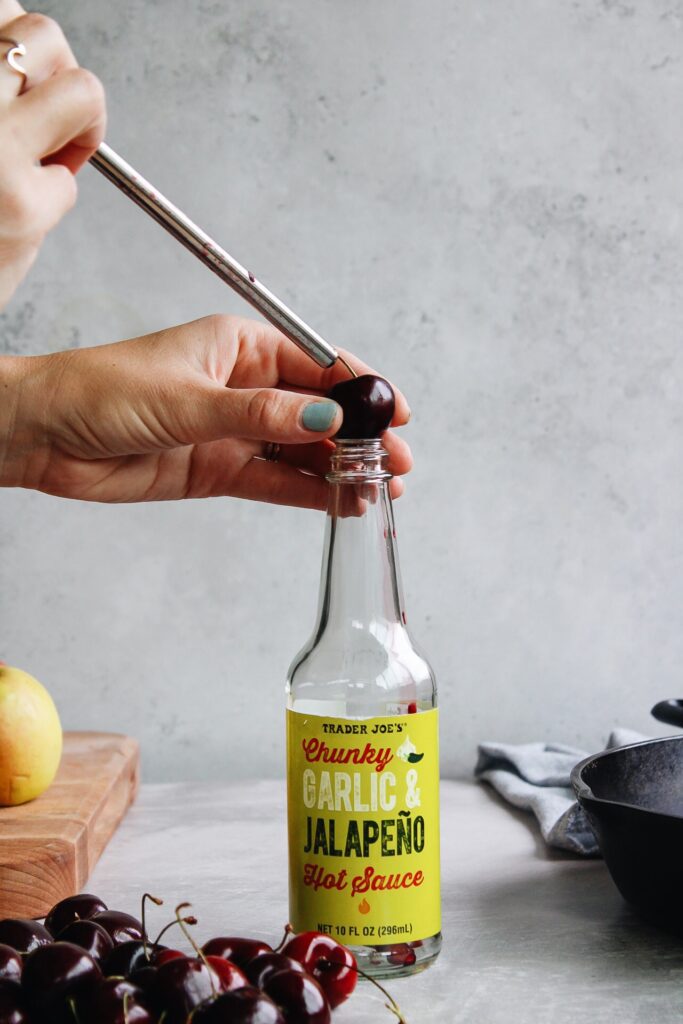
54	195
279	484
47	52
269	414
396	487
400	459
267	357
212	474
35	200
62	119
9	9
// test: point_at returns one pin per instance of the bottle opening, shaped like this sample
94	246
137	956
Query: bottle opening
358	461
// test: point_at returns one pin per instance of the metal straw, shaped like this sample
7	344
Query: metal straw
132	184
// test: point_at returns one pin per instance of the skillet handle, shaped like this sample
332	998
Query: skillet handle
669	711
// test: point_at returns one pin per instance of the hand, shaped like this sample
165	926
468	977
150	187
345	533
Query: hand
179	414
48	129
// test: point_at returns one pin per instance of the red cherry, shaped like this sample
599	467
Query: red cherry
332	964
245	1006
240	951
162	956
231	977
23	936
56	974
12	1006
90	936
10	964
116	1001
263	967
401	955
299	996
74	908
368	403
121	927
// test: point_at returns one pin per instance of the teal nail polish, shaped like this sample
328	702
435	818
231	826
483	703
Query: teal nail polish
319	415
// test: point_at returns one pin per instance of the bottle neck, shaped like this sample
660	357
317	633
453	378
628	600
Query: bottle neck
360	583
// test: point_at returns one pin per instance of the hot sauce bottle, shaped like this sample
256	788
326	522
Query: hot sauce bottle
362	728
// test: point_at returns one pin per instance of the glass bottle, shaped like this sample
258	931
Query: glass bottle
362	741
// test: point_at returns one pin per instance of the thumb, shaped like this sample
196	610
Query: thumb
269	414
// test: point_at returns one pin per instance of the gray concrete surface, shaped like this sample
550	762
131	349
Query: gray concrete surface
484	200
528	938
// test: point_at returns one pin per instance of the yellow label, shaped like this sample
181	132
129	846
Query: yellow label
363	798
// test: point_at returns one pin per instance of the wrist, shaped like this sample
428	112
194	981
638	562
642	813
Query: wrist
18	440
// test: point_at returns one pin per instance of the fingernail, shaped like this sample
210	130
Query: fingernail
319	415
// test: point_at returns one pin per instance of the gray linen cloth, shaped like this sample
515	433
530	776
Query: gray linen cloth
535	777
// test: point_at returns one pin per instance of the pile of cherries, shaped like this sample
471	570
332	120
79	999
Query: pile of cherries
87	964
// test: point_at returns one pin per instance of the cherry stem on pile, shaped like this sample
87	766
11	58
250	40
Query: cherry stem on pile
288	931
158	903
172	924
392	1006
126	1019
349	368
182	921
72	1007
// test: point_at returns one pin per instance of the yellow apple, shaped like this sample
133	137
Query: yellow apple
30	737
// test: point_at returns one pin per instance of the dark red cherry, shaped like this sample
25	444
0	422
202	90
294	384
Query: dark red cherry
121	927
125	958
245	1006
23	935
368	403
55	975
10	964
299	996
13	1006
146	975
146	979
116	1001
73	908
263	967
240	951
182	985
90	936
332	964
230	975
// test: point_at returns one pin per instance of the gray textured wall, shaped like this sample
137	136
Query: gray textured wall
484	200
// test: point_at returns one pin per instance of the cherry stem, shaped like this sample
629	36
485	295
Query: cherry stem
392	1005
72	1007
158	903
200	952
172	924
288	931
126	1018
349	368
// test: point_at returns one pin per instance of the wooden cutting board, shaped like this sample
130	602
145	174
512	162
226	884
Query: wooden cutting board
49	847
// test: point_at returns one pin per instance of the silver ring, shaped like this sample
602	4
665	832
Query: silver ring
271	451
16	50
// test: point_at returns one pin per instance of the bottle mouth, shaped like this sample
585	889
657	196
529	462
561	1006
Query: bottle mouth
369	444
358	460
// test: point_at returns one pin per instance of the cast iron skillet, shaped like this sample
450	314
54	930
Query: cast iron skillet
633	797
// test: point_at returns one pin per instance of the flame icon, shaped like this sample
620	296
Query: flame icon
363	907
